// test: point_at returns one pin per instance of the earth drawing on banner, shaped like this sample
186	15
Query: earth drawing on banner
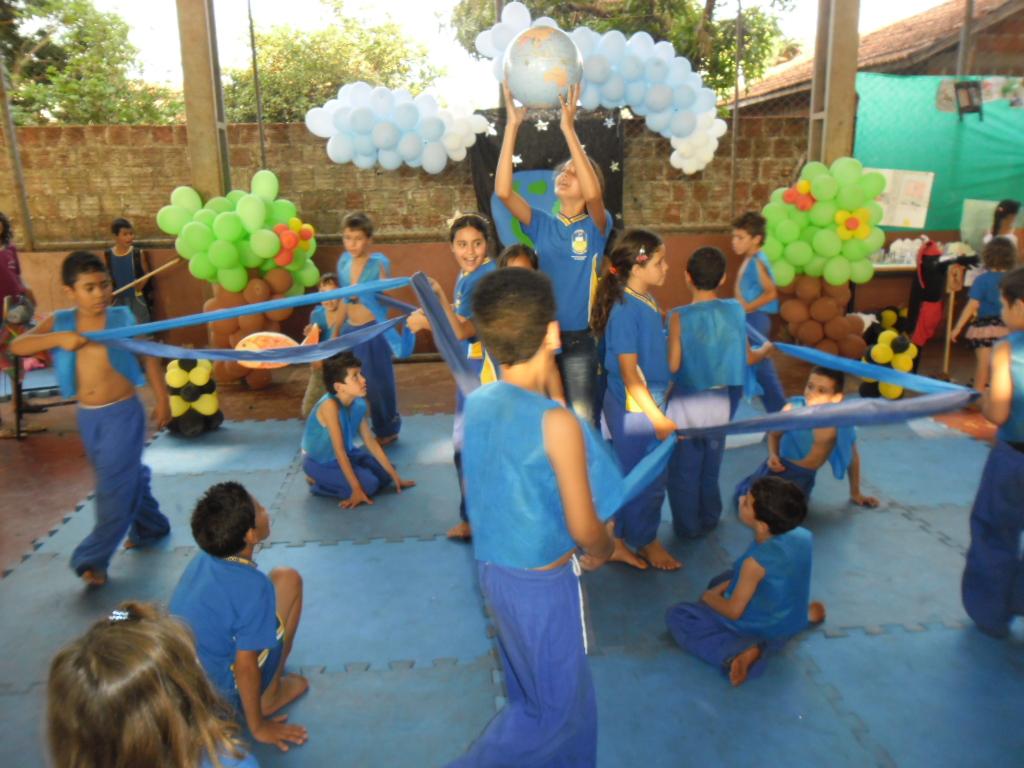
538	189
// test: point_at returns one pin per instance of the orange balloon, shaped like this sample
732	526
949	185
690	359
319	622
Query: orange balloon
258	379
306	232
289	240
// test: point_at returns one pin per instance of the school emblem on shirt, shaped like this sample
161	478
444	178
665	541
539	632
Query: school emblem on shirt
579	245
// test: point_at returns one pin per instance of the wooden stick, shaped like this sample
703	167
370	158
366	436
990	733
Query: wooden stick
148	275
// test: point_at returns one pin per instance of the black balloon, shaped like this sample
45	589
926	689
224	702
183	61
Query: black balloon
190	393
187	365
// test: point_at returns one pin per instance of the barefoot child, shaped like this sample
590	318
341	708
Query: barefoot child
130	691
755	290
530	502
328	317
111	420
984	307
333	464
994	573
708	355
636	360
244	621
797	455
469	236
570	246
765	599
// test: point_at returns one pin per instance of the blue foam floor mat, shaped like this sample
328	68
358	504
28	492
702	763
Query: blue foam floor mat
238	446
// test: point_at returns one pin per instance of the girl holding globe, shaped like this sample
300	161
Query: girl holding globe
570	245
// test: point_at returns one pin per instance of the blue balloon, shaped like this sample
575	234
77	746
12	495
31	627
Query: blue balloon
591	97
363	144
382	100
410	146
407	115
596	69
706	100
340	149
389	160
659	121
656	70
683	124
659	97
385	135
431	128
342	119
678	69
613	91
636	94
631	68
683	97
366	162
362	120
435	158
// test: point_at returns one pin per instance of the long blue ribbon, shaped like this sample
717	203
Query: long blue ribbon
444	335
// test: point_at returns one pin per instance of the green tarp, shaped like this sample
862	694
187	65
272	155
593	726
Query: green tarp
899	127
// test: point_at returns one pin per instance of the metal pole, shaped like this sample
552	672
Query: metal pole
499	6
735	108
259	90
965	38
15	157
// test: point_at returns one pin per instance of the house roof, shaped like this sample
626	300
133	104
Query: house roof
894	47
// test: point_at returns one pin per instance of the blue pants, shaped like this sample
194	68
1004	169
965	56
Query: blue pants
551	715
114	437
632	436
993	581
381	392
329	480
577	364
693	493
772	396
803	478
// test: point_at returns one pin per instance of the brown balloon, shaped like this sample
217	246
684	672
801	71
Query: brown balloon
227	298
256	291
852	346
824	309
794	311
837	328
225	327
236	337
828	345
279	280
227	371
810	332
793	328
841	293
278	315
219	340
856	324
210	305
808	288
252	323
273	326
258	379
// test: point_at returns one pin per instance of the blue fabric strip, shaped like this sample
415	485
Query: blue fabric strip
444	335
401	306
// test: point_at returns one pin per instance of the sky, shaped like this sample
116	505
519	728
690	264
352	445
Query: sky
154	32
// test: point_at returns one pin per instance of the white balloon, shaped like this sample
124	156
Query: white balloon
676	160
470	140
705	120
485	46
596	69
457	155
331	105
402	96
545	21
498	69
359	96
516	15
719	128
664	50
434	157
451	141
426	104
340	149
463	125
501	35
344	91
478	123
318	121
686	150
706	156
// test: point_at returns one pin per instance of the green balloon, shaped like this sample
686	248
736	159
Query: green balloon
798	253
873	184
808	233
233	279
850	197
219	205
776	196
205	216
854	250
282	211
295	264
228	226
171	218
235	195
772	249
783	273
297	289
861	271
823	214
246	255
197	236
815	266
264	183
813	170
800	217
846	170
309	275
827	243
252	211
311	248
875	213
223	254
265	243
774	212
875	240
183	248
824	187
837	271
787	231
200	266
187	198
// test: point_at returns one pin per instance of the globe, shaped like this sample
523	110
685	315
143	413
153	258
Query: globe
539	64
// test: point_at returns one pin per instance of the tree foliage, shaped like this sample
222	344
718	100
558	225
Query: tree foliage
301	69
706	37
71	63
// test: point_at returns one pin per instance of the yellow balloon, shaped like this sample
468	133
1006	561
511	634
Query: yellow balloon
199	375
862	232
207	405
171	365
912	351
888	318
887	337
841	217
175	377
881	354
903	362
803	187
295	224
890	391
845	234
862	214
865	380
904	311
178	406
205	364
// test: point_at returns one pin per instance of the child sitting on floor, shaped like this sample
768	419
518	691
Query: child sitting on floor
764	600
328	317
797	455
244	621
332	462
130	691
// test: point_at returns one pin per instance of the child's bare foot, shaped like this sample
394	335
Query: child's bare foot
281	693
816	613
462	532
129	544
310	480
387	440
623	554
94	578
659	557
741	664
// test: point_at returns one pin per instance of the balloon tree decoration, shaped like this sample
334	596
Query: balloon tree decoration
194	405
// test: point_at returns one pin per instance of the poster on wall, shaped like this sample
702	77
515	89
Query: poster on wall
992	89
906	197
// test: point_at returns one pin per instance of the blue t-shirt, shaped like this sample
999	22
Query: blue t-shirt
316	440
796	443
462	303
714	342
569	252
230	606
635	327
123	361
985	291
750	283
1012	431
779	605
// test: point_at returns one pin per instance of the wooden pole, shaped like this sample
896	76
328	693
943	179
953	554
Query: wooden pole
148	275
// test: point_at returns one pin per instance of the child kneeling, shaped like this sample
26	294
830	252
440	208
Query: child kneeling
333	464
764	600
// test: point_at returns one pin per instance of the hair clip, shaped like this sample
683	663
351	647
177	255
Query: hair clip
463	214
641	255
116	616
612	270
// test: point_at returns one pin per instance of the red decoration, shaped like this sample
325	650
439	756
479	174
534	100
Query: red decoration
284	257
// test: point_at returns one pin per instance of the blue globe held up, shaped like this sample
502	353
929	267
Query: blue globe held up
540	64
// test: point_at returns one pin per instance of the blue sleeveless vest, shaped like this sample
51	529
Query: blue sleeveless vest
1013	430
378	267
123	362
316	440
714	338
796	443
750	283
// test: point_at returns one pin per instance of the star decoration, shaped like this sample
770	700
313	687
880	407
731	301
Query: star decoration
491	130
614	167
609	122
541	125
517	159
583	147
618	216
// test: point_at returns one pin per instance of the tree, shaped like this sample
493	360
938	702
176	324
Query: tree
71	63
301	69
690	25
